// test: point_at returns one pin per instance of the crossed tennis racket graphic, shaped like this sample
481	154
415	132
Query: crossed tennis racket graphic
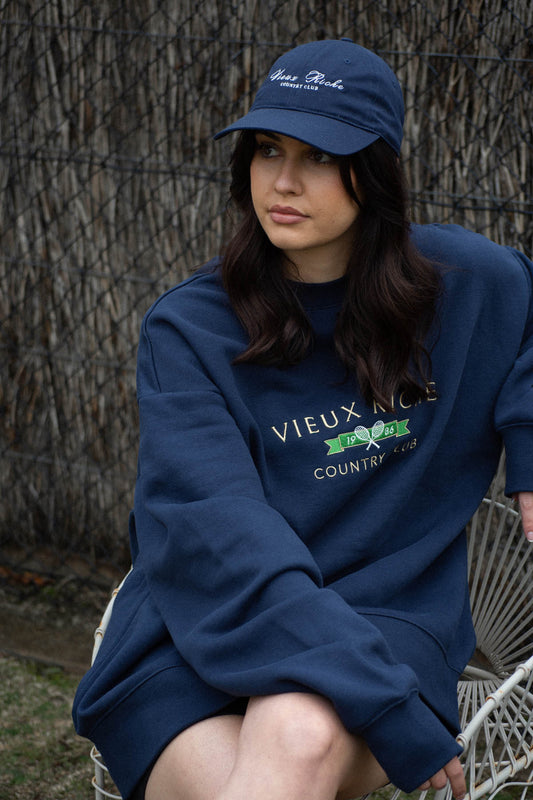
370	436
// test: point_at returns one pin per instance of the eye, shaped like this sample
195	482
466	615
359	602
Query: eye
319	157
267	149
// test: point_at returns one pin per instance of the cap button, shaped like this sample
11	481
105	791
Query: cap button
346	39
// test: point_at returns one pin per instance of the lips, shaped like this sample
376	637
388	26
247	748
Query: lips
286	214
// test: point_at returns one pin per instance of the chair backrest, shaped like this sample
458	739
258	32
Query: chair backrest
496	692
501	582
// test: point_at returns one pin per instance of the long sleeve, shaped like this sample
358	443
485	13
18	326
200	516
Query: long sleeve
514	408
239	591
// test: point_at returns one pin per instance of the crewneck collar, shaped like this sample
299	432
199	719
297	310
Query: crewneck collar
320	295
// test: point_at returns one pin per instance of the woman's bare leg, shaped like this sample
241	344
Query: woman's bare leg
287	747
293	746
198	762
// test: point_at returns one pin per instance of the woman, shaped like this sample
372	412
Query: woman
321	412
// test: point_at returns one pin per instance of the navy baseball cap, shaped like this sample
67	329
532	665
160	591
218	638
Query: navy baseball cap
332	94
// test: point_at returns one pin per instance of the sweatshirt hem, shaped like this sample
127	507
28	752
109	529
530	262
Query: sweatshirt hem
135	731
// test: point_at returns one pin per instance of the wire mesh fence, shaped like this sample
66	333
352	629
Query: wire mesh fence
113	190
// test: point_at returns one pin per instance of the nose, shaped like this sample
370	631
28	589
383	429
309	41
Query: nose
288	178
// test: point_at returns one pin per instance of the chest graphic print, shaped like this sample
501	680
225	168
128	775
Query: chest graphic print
367	436
352	439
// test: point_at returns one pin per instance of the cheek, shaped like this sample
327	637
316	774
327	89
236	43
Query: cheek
338	213
336	202
255	186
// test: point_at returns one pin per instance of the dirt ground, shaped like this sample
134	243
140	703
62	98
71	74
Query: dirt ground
52	624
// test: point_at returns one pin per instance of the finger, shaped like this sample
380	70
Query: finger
455	775
438	780
525	500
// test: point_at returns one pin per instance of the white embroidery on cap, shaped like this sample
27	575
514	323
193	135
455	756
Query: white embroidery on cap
314	77
318	77
281	75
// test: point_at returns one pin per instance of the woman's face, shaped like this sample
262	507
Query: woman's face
303	207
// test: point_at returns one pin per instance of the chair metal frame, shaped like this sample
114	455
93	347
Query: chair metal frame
495	693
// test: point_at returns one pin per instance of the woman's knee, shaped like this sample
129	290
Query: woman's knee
304	727
309	737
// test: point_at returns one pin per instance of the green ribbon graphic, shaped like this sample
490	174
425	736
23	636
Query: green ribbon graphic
354	439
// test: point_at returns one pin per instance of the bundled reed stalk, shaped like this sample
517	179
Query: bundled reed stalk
113	190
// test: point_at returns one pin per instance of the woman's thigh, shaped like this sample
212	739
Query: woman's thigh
197	763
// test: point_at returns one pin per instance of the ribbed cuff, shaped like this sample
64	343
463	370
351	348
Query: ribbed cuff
410	743
518	441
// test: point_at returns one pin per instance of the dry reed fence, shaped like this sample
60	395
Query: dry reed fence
112	190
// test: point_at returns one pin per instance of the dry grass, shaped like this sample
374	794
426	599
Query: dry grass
40	756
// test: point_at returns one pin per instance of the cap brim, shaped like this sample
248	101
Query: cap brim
325	133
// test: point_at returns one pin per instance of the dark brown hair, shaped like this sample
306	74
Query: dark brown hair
391	294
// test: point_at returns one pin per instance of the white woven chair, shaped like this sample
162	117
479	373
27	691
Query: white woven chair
496	691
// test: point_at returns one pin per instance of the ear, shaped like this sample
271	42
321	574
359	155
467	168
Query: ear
355	188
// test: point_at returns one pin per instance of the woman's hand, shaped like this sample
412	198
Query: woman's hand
525	501
452	772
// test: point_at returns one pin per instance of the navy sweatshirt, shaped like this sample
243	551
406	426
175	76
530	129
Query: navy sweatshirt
288	537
